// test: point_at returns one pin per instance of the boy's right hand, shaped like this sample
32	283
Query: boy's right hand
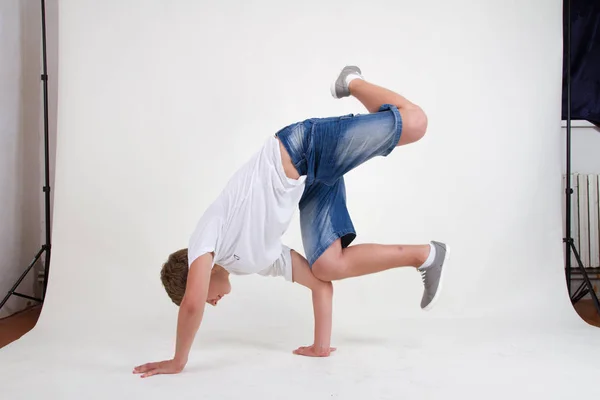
190	315
162	367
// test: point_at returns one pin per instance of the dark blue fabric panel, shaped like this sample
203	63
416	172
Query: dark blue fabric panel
585	61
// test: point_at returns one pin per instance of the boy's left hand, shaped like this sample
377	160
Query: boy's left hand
163	367
313	351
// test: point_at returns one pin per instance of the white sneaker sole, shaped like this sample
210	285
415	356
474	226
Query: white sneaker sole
332	88
439	289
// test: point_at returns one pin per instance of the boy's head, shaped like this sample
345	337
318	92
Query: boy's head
174	278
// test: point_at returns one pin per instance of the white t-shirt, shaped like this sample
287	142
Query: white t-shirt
244	225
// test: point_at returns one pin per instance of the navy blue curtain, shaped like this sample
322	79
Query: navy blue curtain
585	60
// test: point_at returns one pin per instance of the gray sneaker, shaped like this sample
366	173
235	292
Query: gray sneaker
339	88
433	275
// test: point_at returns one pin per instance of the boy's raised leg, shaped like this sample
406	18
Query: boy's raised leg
350	82
430	260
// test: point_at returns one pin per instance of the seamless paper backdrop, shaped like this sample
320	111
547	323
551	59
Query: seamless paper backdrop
161	101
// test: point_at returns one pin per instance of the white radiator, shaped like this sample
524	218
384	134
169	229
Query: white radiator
585	217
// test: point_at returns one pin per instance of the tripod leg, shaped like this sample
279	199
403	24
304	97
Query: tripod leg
580	293
46	269
18	282
586	278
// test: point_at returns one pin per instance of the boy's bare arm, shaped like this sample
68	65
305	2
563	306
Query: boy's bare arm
322	297
190	315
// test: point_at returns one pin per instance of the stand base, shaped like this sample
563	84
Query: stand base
45	248
586	286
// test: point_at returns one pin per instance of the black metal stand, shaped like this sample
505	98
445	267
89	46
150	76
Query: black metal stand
46	189
586	286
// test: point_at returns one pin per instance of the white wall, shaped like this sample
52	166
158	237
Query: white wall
185	92
21	168
585	147
21	177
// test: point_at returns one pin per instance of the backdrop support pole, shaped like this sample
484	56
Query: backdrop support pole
586	286
46	189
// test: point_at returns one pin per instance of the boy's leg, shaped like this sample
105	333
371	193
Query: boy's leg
338	263
327	232
351	83
362	259
341	146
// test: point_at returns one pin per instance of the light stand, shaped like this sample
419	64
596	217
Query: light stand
46	189
586	286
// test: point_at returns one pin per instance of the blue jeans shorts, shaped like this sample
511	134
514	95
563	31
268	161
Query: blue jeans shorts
323	150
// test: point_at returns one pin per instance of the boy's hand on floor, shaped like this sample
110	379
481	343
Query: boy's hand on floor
156	368
313	351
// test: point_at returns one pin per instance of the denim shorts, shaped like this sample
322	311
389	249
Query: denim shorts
323	150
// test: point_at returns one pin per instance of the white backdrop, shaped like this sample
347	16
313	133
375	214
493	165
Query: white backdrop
161	101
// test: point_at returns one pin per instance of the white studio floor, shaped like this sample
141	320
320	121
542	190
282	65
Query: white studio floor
413	359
